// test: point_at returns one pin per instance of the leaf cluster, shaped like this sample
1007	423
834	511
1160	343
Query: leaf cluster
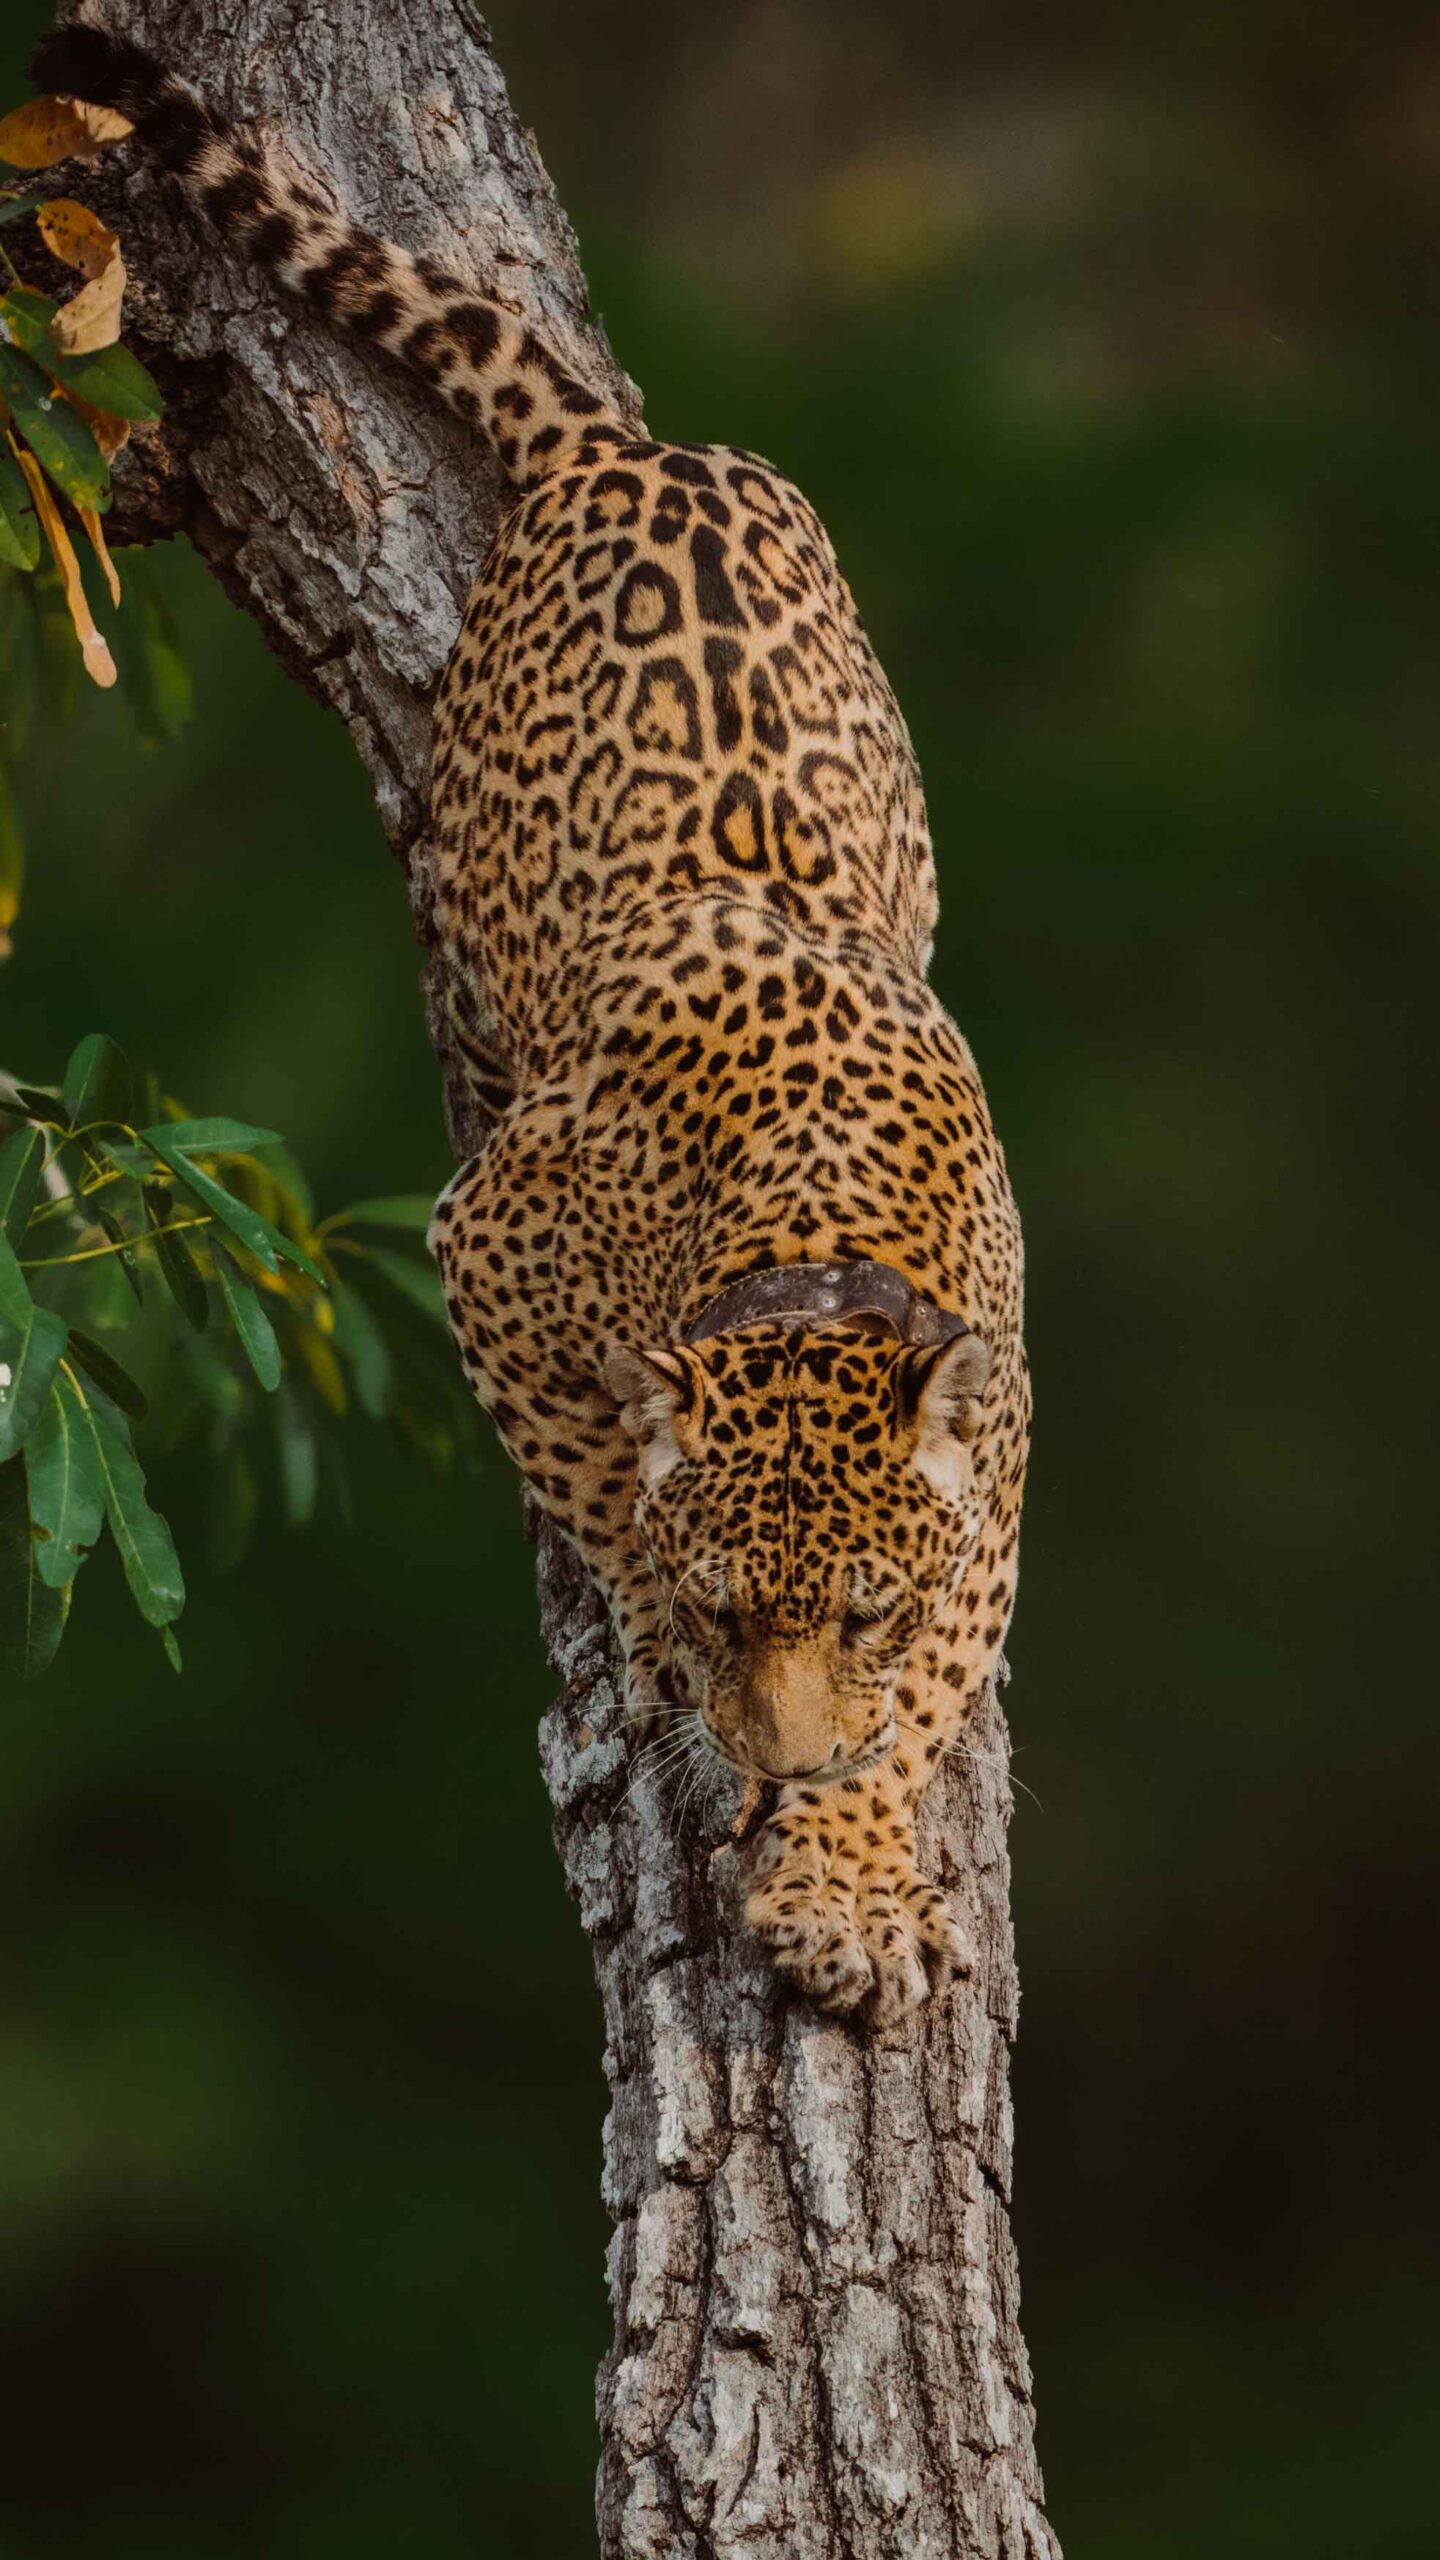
137	1243
70	396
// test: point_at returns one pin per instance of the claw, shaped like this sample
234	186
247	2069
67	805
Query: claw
847	1940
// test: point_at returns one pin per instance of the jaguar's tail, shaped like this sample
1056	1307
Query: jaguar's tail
475	354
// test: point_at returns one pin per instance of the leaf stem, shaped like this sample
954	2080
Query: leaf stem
97	1252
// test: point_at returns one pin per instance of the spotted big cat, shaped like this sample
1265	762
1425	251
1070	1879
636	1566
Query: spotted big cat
736	1271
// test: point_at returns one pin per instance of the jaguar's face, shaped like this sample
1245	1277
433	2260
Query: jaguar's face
808	1503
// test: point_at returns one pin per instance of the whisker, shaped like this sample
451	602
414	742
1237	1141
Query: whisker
705	1756
663	1751
998	1760
690	1570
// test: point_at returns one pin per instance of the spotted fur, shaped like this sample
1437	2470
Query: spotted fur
685	897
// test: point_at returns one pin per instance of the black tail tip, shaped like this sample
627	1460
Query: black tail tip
103	70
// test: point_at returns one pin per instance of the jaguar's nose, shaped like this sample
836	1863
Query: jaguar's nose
817	1771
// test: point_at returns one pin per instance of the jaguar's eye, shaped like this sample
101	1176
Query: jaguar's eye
727	1626
853	1628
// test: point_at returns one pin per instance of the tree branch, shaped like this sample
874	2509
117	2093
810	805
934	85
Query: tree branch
817	2349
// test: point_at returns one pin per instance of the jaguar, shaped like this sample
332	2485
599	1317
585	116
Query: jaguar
736	1269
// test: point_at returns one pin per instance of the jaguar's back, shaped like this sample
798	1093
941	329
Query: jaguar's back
662	686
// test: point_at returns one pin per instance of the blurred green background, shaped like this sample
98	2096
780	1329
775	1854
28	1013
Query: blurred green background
1108	349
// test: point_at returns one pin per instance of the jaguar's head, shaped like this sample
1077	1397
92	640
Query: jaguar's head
808	1502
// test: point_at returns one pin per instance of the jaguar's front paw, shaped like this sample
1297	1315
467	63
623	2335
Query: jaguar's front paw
853	1921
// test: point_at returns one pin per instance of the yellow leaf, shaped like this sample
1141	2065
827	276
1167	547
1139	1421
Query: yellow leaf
77	235
98	662
103	125
96	531
52	129
325	1369
12	863
35	136
91	318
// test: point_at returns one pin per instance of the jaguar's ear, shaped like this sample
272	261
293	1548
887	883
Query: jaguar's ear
940	1392
658	1393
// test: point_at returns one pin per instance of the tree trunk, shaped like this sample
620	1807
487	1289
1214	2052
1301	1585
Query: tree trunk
817	2348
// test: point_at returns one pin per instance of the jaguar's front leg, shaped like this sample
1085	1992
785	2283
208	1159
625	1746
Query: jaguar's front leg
558	1419
841	1898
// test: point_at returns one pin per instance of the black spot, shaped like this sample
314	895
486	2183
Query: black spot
723	661
274	239
714	594
426	345
436	278
376	316
667	708
647	606
738	825
237	201
475	329
174	131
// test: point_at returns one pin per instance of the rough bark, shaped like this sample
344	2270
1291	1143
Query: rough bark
817	2348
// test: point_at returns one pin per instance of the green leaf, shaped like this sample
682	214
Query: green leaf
253	1231
55	432
15	1299
415	1281
177	1263
39	1106
171	1642
22	1162
128	1259
359	1337
110	378
408	1209
31	1342
147	1550
27	318
291	1252
118	1384
98	1083
19	524
211	1137
295	1438
32	1615
113	380
153	672
257	1334
13	208
67	1489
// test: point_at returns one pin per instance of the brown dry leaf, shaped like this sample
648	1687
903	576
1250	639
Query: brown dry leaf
91	318
96	532
51	129
93	648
